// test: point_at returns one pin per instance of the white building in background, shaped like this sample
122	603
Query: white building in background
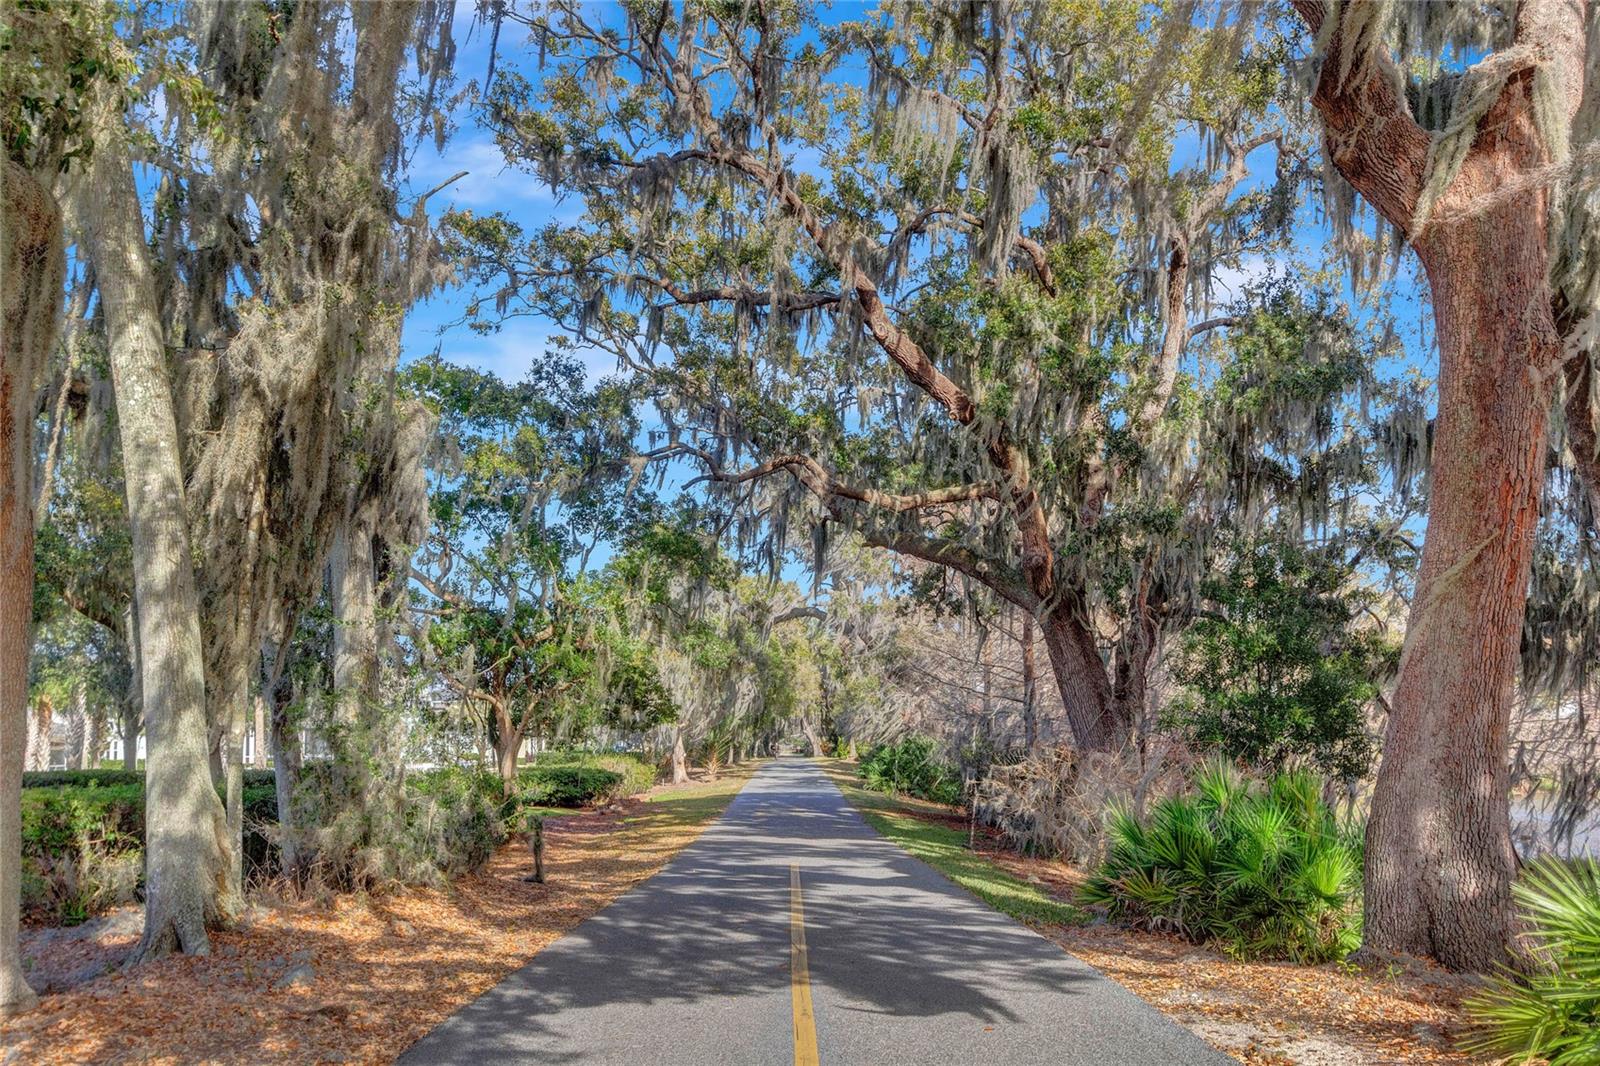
113	754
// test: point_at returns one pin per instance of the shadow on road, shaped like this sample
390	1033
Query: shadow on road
703	948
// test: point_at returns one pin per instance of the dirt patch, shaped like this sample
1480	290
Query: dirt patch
357	980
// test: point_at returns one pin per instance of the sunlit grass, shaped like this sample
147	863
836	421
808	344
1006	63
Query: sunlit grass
698	801
944	847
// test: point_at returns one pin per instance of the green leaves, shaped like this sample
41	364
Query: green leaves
1279	673
1553	1014
909	766
1259	867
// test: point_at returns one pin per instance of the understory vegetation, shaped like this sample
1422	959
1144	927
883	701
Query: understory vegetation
910	766
84	832
946	847
1551	1013
1263	868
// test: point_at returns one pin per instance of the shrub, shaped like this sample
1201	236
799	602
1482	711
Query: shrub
82	849
1554	1015
64	818
1261	868
566	786
909	766
1280	672
82	778
634	773
454	820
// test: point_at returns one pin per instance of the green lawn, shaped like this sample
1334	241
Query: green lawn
698	801
944	847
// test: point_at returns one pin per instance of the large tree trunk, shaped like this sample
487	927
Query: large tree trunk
352	581
1439	854
31	274
1439	860
680	760
1080	676
812	738
184	826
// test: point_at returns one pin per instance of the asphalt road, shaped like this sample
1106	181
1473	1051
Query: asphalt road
703	964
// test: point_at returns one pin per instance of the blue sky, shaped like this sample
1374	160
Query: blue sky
489	185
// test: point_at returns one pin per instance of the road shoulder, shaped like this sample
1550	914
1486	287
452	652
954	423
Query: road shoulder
1262	1013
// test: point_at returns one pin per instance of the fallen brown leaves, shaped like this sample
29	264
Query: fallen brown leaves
357	980
1270	1013
1276	1014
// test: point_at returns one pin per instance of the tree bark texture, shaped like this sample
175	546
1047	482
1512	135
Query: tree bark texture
1439	854
1080	676
355	633
185	841
32	270
1030	686
258	749
680	760
40	717
133	700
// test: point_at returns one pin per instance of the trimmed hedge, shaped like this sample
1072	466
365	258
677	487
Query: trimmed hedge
58	819
576	778
106	777
83	830
82	849
565	786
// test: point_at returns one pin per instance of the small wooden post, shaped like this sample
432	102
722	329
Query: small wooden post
536	844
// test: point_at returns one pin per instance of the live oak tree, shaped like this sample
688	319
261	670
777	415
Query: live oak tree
957	307
32	265
274	273
1471	129
528	479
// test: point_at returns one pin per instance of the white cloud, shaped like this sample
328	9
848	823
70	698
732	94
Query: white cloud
1228	282
519	344
489	183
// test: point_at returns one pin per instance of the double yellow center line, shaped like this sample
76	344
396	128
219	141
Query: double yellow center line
805	1023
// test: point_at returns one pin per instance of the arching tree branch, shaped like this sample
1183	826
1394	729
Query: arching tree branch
1372	137
826	485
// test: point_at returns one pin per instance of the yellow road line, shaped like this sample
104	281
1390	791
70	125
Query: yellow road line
805	1024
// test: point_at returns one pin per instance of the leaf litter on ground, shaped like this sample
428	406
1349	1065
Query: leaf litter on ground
354	979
